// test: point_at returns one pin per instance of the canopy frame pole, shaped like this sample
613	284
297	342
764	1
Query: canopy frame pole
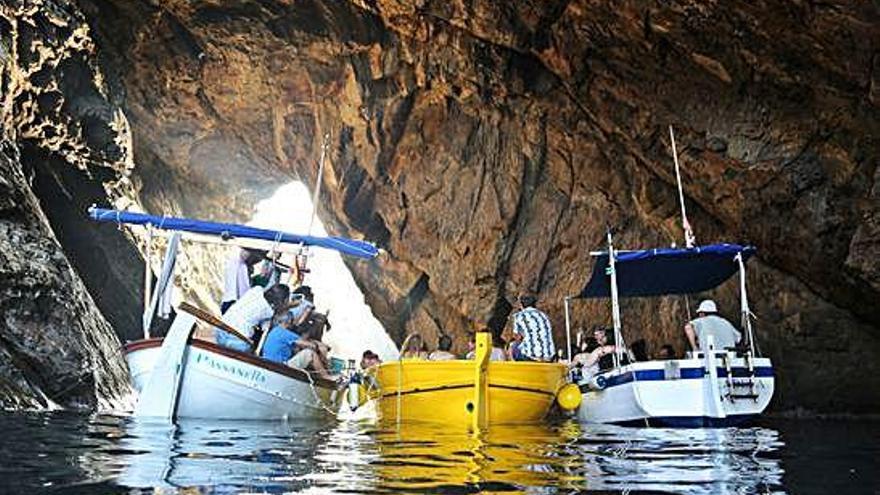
689	238
568	326
148	277
615	304
317	194
744	304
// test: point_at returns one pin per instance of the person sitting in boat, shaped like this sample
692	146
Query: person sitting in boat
255	307
369	359
604	338
666	352
443	352
498	344
708	323
595	355
532	333
280	343
237	278
312	353
303	302
415	348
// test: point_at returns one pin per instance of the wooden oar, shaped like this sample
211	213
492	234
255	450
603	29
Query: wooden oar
213	320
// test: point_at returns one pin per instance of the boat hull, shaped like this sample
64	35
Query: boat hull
219	383
444	392
680	393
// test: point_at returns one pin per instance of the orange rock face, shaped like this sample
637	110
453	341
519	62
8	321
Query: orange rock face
487	145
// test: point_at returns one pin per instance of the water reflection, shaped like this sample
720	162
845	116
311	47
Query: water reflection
67	453
359	457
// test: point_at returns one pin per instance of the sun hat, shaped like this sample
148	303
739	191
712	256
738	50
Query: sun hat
707	306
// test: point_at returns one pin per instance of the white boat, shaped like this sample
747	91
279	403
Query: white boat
711	387
220	383
181	376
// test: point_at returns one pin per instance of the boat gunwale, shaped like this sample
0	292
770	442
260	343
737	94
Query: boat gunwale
294	373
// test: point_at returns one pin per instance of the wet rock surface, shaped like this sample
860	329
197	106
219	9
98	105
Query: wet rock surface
487	146
57	348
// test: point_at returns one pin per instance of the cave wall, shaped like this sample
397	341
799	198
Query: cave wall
487	146
57	133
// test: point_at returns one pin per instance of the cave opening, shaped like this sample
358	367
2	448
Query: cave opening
354	327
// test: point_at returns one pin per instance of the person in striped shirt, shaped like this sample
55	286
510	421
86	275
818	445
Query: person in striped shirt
532	332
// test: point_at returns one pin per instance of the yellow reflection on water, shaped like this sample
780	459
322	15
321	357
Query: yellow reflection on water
505	458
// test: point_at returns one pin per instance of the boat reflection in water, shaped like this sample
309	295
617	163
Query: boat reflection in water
360	457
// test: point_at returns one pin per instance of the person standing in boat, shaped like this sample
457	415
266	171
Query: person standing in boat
254	308
444	350
532	332
708	323
237	278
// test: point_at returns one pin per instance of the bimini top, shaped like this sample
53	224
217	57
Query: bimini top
228	231
657	272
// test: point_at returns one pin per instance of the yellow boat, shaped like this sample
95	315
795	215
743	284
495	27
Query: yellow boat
474	393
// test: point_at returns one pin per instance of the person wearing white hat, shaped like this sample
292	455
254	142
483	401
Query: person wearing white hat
707	323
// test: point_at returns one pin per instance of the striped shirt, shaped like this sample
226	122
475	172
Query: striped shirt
537	341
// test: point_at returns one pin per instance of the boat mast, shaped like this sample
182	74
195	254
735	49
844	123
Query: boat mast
615	304
689	239
318	181
744	303
301	258
568	326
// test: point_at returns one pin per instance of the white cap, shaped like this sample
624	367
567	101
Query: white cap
707	306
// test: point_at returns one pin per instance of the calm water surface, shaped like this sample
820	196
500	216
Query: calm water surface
68	453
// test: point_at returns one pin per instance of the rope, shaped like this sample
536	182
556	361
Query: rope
318	398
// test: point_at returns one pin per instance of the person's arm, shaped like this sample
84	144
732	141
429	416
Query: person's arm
305	314
690	331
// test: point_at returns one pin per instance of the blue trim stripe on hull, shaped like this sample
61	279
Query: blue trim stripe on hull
690	422
684	374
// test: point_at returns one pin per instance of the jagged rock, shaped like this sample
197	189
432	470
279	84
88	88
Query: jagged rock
487	145
55	345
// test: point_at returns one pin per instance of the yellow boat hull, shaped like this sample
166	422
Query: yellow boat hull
445	392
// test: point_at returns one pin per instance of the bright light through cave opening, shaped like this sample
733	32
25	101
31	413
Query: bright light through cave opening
355	328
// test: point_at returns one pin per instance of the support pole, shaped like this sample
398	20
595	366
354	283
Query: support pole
744	304
568	326
689	239
615	304
148	277
480	418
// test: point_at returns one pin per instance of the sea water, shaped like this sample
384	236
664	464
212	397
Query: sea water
70	453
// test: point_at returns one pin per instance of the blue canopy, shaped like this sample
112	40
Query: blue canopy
657	272
351	247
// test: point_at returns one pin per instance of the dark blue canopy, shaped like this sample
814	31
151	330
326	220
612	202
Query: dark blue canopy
351	247
657	272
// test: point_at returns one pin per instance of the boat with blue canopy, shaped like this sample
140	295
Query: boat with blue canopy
182	375
711	386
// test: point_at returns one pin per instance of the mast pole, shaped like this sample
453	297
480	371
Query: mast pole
301	259
568	326
615	304
317	193
148	277
689	239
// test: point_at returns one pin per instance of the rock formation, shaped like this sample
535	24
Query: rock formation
487	145
57	131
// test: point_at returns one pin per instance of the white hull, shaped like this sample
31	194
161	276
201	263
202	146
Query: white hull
683	392
218	383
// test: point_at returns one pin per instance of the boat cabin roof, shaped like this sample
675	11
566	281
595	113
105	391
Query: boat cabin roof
665	271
